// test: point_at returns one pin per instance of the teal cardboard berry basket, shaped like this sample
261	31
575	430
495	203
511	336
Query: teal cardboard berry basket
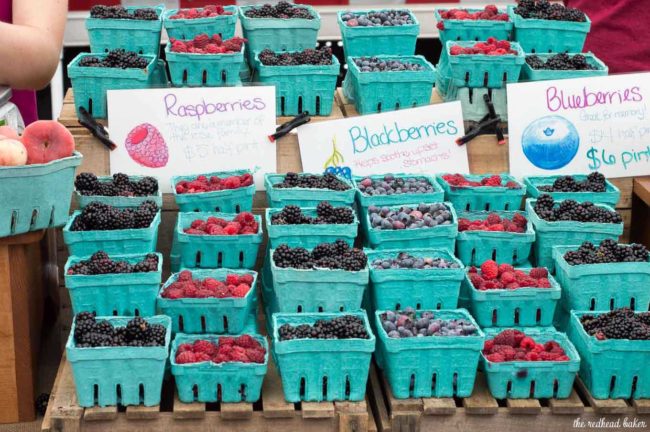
225	201
365	200
610	197
209	315
375	92
599	287
481	70
476	247
492	198
186	29
229	382
305	197
141	36
317	290
308	235
433	288
473	30
117	201
121	294
437	237
533	379
611	368
119	242
215	251
549	36
385	40
204	70
430	366
301	88
530	74
327	369
36	197
277	34
525	307
90	84
107	376
550	234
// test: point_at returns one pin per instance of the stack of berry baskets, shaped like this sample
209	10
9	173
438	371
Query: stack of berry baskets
593	187
532	362
210	301
119	190
332	368
614	348
503	295
434	354
482	192
504	236
433	278
378	32
216	240
307	190
185	24
473	24
221	191
409	226
306	82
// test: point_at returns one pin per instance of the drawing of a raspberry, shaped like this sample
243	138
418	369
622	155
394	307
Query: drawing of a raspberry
147	146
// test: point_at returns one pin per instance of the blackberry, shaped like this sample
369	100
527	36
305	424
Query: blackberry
86	183
146	186
342	215
157	333
137	329
292	214
344	327
283	10
570	210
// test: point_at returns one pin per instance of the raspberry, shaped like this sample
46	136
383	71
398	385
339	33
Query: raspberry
495	358
463	224
506	268
222	292
232	279
528	282
493	219
507	277
245	218
185	357
232	183
203	293
489	270
532	356
455	50
491	284
203	346
562	358
246	279
520	355
202	357
520	220
506	351
241	290
246	341
215	230
543	283
226	340
520	274
185	275
538	348
256	355
211	284
201	40
232	229
496	227
184	347
512	285
488	345
551	345
538	273
527	343
494	180
173	294
508	337
472	269
476	280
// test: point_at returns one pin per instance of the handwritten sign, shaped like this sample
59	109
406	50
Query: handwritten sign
580	125
417	140
181	131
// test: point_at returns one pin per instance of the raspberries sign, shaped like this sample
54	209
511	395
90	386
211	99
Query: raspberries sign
504	276
204	184
514	345
459	180
492	47
494	222
204	44
208	11
186	286
243	223
490	13
243	349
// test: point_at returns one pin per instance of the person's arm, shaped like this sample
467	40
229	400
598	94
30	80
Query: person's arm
30	47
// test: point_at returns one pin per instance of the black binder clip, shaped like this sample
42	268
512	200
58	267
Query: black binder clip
488	124
287	127
96	129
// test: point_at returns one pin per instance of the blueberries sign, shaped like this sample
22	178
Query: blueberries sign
580	125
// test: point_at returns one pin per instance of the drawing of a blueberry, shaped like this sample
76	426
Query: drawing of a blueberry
550	142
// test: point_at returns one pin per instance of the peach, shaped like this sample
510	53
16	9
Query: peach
12	153
47	140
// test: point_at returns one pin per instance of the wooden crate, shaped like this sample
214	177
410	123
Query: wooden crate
483	412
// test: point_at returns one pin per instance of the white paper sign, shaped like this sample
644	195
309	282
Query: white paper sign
417	140
580	125
179	131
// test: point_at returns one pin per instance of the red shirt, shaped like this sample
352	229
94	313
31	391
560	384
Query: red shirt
620	32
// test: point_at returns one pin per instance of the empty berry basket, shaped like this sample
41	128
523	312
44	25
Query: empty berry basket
533	379
123	294
305	197
549	36
224	201
600	287
492	198
309	235
481	70
317	290
365	200
141	36
91	83
374	92
322	369
525	307
476	247
185	28
612	368
473	30
301	88
530	74
229	382
432	288
36	196
119	375
117	201
430	366
215	251
375	40
294	34
610	197
119	242
204	70
209	315
563	233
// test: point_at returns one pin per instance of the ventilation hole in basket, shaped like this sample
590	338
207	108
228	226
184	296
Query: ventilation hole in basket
118	393
396	105
224	76
195	391
198	259
439	306
473	259
141	52
51	222
96	393
412	385
418	306
219	392
181	327
505	77
204	78
241	259
466	77
592	304
114	312
611	304
325	387
471	96
398	306
487	206
202	324
379	107
634	385
90	106
225	324
454	383
514	257
185	76
141	392
612	384
320	308
32	222
517	316
299	308
220	259
494	254
556	387
217	209
486	78
532	389
489	93
348	386
302	387
632	303
136	312
299	104
317	105
282	105
434	378
494	316
341	309
237	208
467	207
538	316
242	392
509	387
